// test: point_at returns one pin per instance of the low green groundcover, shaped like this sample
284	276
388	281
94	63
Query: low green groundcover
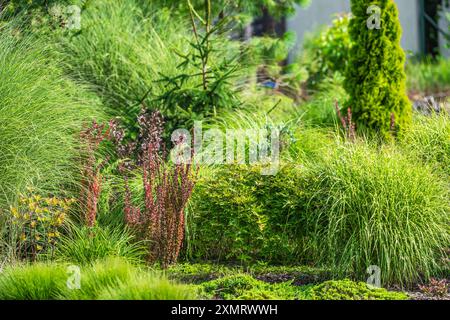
349	290
243	287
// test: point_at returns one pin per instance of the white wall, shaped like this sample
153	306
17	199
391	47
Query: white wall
321	12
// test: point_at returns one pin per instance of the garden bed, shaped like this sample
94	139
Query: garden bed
147	153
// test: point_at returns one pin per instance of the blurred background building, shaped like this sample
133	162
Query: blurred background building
425	26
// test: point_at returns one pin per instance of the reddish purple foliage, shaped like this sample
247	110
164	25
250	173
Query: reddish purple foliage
91	138
347	123
436	288
167	189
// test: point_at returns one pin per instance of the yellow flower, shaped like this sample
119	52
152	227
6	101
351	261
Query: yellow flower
51	234
23	237
39	248
33	224
32	206
37	237
59	220
15	212
54	201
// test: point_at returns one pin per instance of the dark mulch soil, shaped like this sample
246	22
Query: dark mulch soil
417	293
298	275
298	279
422	296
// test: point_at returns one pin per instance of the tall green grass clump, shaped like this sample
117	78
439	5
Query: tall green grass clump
122	50
376	207
143	56
429	139
375	77
117	279
100	275
85	245
108	279
149	287
41	112
32	282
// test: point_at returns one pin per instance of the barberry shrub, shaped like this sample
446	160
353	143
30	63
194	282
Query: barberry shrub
375	77
167	189
91	183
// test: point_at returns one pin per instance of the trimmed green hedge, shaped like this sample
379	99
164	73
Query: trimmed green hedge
238	214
